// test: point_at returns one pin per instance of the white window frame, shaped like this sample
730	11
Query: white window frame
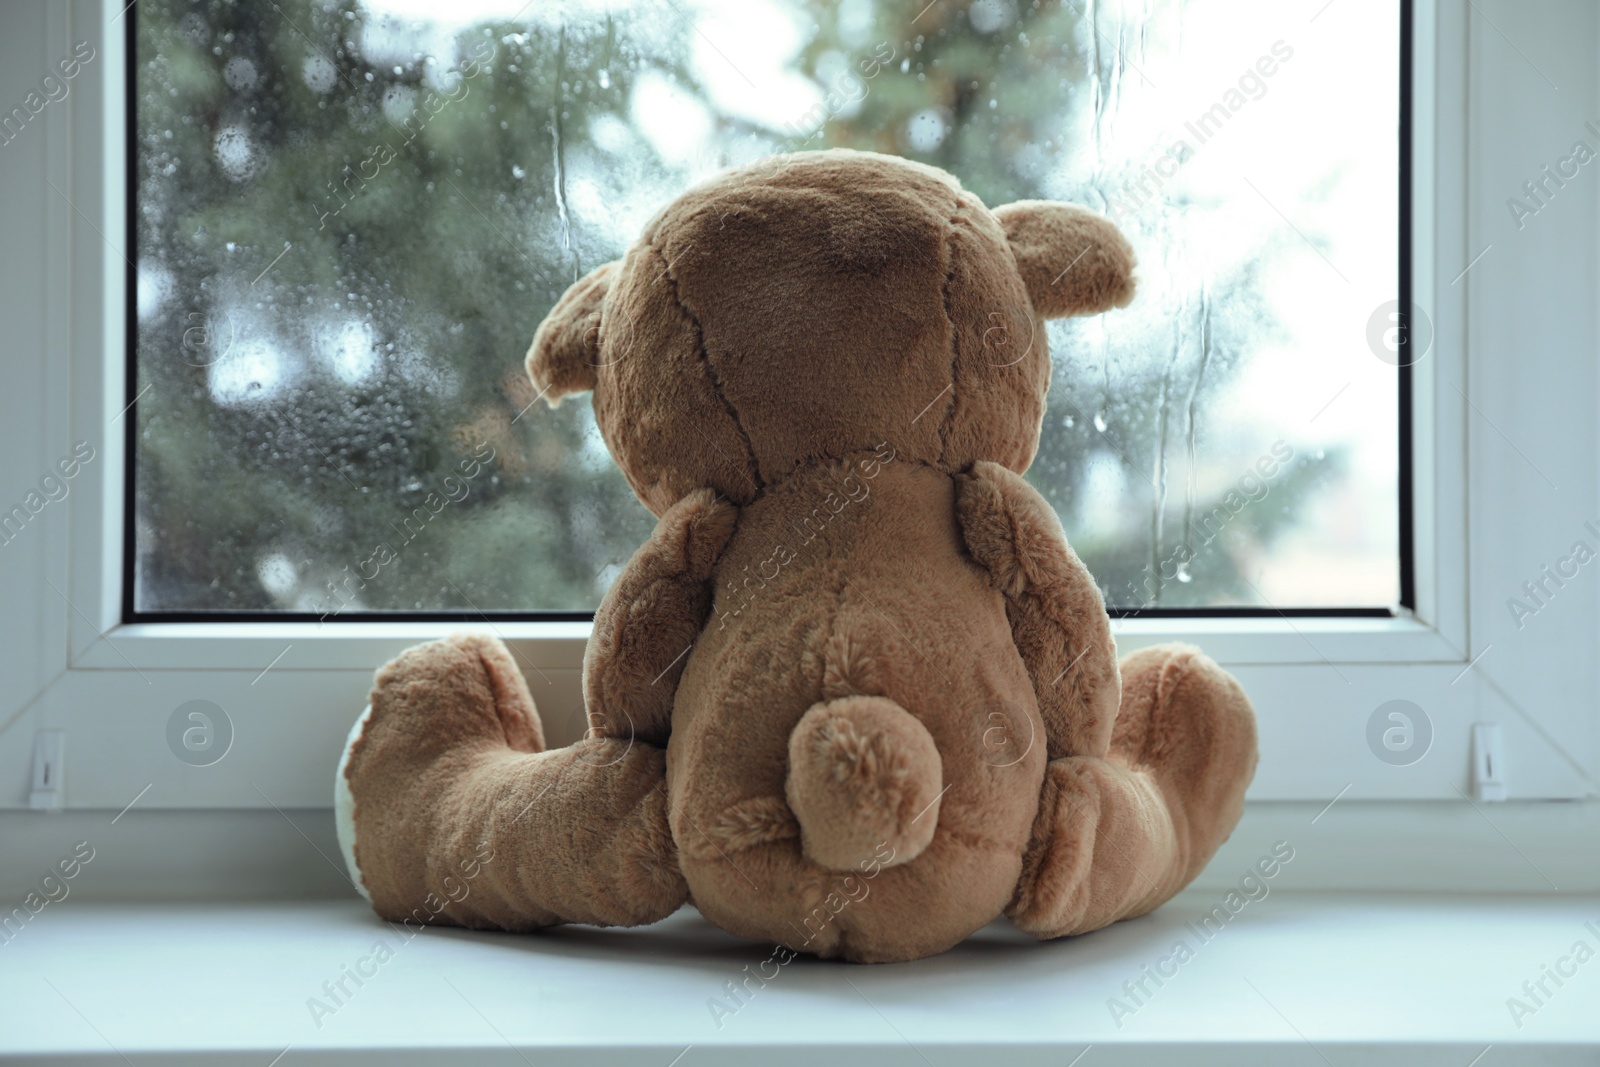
1516	333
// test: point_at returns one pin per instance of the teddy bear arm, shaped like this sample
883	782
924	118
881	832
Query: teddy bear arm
1058	619
650	619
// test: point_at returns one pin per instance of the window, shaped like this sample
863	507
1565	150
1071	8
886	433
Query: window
350	216
1505	467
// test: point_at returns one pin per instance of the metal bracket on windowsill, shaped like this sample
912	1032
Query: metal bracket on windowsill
49	771
1488	762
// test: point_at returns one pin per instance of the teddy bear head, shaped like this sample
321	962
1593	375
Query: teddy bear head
822	303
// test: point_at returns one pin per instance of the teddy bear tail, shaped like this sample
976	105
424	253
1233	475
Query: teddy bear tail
864	777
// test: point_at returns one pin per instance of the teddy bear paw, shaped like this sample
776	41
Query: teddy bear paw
433	700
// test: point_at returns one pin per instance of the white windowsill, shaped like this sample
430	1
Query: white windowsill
1377	979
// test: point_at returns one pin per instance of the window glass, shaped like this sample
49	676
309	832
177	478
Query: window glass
351	216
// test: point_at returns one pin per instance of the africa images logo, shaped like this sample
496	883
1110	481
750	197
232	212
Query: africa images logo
1399	733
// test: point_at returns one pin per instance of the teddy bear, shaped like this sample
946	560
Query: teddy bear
856	696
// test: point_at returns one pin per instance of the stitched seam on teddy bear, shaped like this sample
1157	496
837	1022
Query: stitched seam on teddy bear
811	462
950	322
711	371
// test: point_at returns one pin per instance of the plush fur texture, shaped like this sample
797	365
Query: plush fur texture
856	695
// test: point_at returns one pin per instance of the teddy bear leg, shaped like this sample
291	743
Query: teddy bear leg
1117	837
460	817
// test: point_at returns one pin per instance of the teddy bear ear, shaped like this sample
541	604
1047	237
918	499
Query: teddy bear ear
565	354
1073	261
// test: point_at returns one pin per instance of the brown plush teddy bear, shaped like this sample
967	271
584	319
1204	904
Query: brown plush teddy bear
856	695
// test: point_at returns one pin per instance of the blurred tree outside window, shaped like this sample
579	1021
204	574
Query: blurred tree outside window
351	216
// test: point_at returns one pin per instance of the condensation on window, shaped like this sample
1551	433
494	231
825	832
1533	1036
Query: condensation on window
351	216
